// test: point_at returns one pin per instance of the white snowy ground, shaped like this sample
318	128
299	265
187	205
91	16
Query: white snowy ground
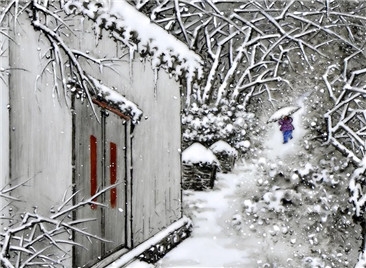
214	241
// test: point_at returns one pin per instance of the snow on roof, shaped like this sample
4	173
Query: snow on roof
116	100
222	146
197	153
136	30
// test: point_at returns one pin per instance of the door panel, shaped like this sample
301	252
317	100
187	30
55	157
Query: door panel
100	161
115	214
88	174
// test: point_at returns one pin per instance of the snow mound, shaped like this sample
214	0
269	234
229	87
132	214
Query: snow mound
243	145
199	154
223	147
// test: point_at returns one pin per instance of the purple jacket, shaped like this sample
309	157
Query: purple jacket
286	124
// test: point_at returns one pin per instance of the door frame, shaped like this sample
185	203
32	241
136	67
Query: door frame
127	162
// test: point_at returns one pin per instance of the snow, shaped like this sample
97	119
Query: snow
217	216
110	95
148	244
283	112
135	30
222	146
244	144
212	242
224	235
198	154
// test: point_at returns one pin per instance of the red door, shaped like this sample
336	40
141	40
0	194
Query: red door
100	162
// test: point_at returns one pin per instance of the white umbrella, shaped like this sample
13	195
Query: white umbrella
285	111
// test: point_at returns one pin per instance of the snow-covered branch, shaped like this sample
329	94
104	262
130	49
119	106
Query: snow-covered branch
346	124
31	238
290	27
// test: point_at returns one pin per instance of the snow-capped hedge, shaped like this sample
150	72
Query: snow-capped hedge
199	154
226	154
223	147
199	167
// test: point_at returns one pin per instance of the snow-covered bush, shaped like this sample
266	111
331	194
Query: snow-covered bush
307	208
209	124
223	147
225	154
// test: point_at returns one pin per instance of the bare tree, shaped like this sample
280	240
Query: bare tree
256	47
260	47
346	125
256	50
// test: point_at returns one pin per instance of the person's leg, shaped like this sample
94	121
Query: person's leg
287	135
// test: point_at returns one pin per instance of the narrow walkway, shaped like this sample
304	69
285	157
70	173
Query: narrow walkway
214	241
217	213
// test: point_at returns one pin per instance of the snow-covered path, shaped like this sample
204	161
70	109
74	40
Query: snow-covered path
214	241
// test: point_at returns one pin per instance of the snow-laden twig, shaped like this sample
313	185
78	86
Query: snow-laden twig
286	25
35	235
230	73
83	202
179	18
57	42
346	124
327	82
211	75
358	197
325	29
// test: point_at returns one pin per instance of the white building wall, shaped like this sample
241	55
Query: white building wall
40	128
40	122
41	131
156	140
4	113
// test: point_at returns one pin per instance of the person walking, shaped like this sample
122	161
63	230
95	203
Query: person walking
286	128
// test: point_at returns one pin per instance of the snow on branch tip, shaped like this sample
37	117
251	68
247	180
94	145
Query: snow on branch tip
135	30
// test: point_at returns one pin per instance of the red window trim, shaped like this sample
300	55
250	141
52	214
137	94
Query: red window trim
93	168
